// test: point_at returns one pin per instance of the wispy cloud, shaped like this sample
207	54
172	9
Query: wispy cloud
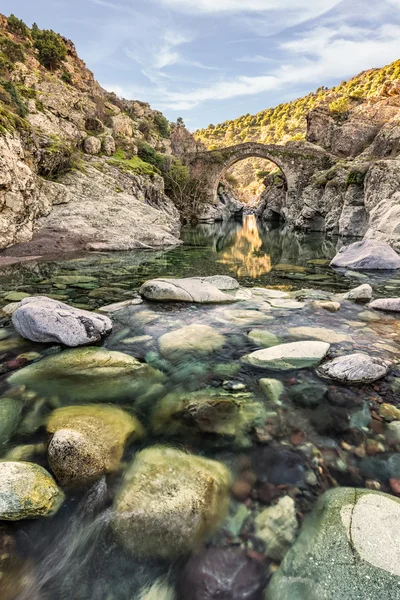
243	6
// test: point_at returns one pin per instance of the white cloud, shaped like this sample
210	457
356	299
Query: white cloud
242	6
257	59
315	57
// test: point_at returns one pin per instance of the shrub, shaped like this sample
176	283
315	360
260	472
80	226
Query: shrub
17	26
16	99
12	50
51	49
339	107
231	179
355	178
180	122
66	77
162	125
186	192
151	156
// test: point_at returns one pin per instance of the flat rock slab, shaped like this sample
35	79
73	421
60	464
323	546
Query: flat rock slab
355	368
389	304
191	289
348	548
193	339
41	319
295	355
222	282
367	255
320	333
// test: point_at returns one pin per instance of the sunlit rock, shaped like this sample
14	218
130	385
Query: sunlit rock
355	368
365	255
191	289
295	355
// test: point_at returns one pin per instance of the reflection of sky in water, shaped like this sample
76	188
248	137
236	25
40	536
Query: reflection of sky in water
242	255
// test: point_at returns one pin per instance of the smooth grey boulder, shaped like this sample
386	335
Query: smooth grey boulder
365	255
41	319
348	548
362	292
190	289
355	368
389	304
296	355
222	282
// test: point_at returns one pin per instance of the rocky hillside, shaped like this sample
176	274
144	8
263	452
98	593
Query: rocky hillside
288	122
80	167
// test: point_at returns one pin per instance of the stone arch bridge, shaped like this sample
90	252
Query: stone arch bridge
297	161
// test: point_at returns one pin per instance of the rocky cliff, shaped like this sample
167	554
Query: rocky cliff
79	167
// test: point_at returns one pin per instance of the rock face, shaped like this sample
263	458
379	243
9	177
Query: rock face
348	548
42	319
27	491
192	340
295	355
355	368
89	374
88	441
388	304
208	411
222	573
190	289
169	502
367	255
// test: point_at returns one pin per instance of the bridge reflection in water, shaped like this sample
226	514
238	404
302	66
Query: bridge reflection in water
245	256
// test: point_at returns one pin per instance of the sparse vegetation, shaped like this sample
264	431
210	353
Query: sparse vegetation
66	77
13	51
17	26
162	125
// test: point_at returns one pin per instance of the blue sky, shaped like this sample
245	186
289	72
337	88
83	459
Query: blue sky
212	60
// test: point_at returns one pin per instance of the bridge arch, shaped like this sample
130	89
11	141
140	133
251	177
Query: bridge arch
297	161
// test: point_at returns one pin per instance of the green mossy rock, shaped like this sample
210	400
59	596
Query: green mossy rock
208	411
27	491
10	418
170	502
89	441
89	374
348	548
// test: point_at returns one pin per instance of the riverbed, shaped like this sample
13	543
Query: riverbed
298	435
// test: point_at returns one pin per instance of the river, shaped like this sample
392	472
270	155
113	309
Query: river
290	443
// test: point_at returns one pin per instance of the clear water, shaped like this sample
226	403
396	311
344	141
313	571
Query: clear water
74	554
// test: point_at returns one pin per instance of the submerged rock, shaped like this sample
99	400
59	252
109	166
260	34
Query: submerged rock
388	304
42	319
191	289
190	340
170	502
320	333
355	368
347	548
272	388
27	491
295	355
263	337
362	292
10	418
277	527
159	590
208	411
365	255
326	305
89	374
88	441
219	573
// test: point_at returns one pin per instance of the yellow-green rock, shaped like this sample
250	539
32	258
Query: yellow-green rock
170	502
89	441
89	374
27	491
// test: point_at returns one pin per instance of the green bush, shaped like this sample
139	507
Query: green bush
16	99
51	49
162	125
12	50
339	107
66	77
355	178
133	165
17	26
151	156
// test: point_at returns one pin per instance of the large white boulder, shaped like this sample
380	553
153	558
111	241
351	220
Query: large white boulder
190	289
295	355
355	368
367	254
41	319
